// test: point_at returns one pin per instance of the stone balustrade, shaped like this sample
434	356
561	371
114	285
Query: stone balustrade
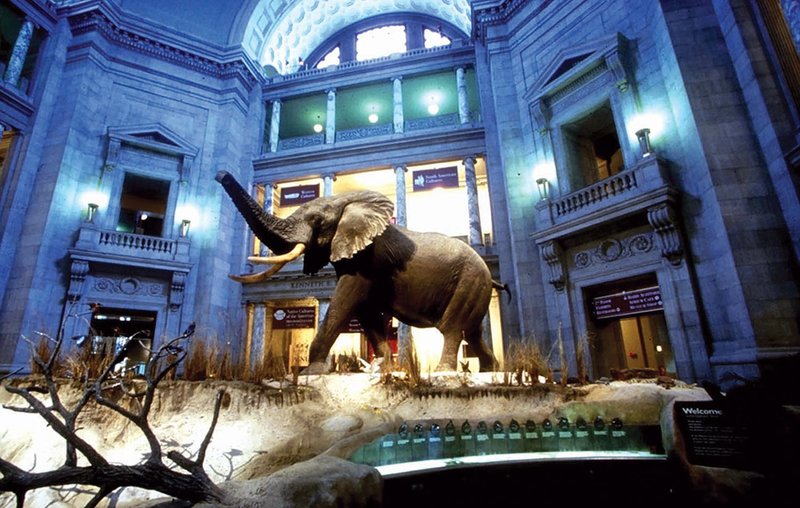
132	245
618	191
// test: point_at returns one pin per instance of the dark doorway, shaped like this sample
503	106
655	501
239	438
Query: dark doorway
114	329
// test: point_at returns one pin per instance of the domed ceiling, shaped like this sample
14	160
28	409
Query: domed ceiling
274	32
281	31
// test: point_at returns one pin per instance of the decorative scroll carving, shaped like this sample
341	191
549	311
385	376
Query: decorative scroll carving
541	114
301	142
129	286
553	255
364	132
176	290
611	249
77	276
432	122
663	220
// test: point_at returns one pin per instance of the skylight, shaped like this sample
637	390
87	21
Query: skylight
382	41
434	39
332	58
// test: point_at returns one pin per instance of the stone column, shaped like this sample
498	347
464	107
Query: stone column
258	340
19	53
330	121
400	194
268	208
463	104
397	101
322	310
275	125
327	186
475	234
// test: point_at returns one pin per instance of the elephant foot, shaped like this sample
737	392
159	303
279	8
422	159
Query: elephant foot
315	368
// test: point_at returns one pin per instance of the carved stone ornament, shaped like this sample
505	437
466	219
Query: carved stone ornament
176	290
611	250
553	255
663	220
129	286
77	276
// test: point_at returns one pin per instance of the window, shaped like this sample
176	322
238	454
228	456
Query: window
143	205
592	147
332	58
382	41
434	38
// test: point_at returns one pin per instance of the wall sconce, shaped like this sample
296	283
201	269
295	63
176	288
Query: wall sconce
318	125
643	135
91	212
185	227
544	188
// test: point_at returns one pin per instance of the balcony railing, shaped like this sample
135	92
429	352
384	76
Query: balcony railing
617	195
145	247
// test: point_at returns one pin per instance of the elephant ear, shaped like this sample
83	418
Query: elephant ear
363	218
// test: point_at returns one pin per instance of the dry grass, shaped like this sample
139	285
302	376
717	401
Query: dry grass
525	362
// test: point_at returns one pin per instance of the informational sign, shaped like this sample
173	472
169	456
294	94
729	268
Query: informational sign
353	326
427	179
299	194
627	303
714	434
284	318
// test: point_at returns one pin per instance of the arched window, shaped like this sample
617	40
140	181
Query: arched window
381	41
382	36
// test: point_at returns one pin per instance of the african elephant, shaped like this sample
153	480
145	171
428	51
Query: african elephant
422	279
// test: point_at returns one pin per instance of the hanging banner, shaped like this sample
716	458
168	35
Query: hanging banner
299	194
441	178
627	303
284	318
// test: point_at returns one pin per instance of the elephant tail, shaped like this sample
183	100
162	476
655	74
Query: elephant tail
502	287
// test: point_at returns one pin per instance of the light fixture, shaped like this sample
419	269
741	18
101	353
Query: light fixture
185	227
373	117
433	108
91	212
544	188
143	216
318	126
643	135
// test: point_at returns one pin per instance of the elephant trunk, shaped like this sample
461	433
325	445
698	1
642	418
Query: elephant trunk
268	228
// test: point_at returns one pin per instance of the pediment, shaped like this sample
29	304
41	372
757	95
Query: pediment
574	62
155	137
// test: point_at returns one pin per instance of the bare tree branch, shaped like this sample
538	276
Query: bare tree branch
153	474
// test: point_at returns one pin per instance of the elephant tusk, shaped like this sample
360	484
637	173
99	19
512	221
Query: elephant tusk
295	253
258	277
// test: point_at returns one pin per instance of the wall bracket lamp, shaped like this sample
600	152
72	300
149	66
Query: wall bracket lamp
643	135
185	223
90	213
544	188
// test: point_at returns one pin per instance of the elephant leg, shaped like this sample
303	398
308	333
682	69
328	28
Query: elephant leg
474	338
374	326
350	291
449	358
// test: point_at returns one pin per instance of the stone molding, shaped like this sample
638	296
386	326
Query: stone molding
97	21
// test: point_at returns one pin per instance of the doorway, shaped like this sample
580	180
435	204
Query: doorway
115	329
633	342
